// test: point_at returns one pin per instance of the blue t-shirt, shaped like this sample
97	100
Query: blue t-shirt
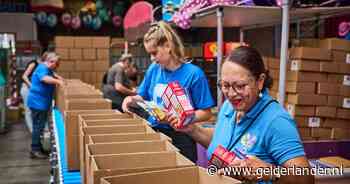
40	93
190	77
2	79
273	137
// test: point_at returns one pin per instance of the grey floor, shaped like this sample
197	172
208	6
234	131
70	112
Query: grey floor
15	165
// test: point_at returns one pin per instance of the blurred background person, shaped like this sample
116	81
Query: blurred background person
118	85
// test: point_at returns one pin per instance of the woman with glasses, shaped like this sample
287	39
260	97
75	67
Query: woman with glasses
251	124
167	52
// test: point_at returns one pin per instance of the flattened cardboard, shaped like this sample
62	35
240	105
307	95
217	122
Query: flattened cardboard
188	175
307	99
104	165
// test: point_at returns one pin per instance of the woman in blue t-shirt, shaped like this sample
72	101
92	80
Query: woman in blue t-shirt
167	52
252	125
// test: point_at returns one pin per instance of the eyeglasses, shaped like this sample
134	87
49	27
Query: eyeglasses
238	87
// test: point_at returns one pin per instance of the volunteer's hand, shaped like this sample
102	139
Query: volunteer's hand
252	164
60	83
125	104
174	123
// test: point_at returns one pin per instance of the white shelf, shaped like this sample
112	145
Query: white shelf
243	16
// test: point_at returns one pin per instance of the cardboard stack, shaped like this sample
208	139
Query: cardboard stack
84	58
318	88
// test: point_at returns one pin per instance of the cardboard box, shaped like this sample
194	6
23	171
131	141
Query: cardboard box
344	68
66	66
340	133
82	42
65	75
87	77
304	132
101	42
111	122
104	165
76	75
299	110
89	54
337	123
335	78
127	137
88	104
71	122
193	175
306	76
326	111
62	52
335	44
341	56
305	65
64	42
321	133
94	130
310	53
101	66
274	63
122	148
334	101
301	87
103	54
275	74
84	66
344	90
307	42
307	99
75	54
343	113
327	89
306	121
329	67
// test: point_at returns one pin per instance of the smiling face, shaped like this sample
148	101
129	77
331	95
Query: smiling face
239	86
159	54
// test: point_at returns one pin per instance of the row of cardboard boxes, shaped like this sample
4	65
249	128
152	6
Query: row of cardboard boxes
317	87
109	147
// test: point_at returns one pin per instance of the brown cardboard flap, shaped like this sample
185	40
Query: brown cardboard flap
125	137
113	122
187	175
105	165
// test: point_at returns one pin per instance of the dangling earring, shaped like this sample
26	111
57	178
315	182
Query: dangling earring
260	94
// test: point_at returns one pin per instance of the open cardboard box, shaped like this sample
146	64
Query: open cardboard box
87	104
104	122
71	122
111	165
94	130
124	147
126	137
187	175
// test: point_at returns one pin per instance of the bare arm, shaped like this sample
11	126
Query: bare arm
200	134
57	76
121	88
26	73
51	80
298	162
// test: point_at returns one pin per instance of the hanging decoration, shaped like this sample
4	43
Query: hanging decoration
66	19
87	20
76	22
118	11
41	18
51	20
117	20
96	23
13	100
344	29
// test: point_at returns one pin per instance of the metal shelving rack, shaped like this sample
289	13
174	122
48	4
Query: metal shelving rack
248	17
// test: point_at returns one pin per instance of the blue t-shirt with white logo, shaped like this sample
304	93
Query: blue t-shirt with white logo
190	77
273	137
40	93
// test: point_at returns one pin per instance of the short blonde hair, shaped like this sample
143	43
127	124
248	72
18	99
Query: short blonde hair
162	33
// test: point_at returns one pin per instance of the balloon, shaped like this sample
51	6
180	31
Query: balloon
117	21
96	23
99	4
118	9
51	20
344	28
103	14
87	19
41	18
66	19
76	22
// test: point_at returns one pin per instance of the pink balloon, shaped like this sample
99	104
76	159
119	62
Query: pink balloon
76	22
66	19
344	28
117	21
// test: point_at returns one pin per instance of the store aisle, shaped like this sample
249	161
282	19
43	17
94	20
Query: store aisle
15	165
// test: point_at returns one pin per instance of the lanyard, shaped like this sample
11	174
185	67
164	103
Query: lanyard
233	143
